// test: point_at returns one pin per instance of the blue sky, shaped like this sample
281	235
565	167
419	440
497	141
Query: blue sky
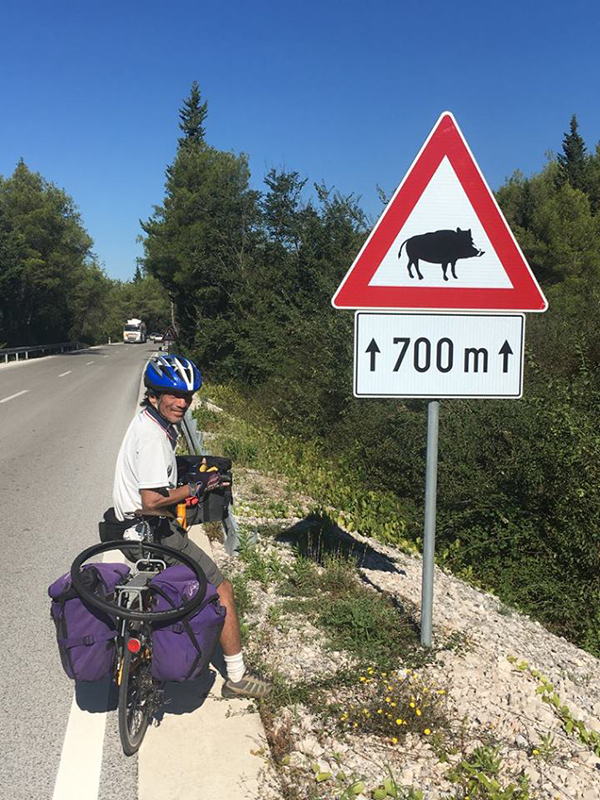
342	92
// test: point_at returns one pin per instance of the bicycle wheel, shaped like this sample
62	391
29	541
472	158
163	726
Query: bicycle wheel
135	700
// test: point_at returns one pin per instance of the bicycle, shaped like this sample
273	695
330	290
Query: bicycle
140	695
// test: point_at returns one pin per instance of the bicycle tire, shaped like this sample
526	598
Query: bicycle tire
138	616
134	702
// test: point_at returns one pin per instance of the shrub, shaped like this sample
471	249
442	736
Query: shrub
392	705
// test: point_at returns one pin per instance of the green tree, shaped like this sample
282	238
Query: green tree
49	248
11	279
594	180
573	162
191	116
145	299
198	241
281	207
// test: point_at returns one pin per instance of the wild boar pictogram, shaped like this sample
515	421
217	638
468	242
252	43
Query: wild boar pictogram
439	247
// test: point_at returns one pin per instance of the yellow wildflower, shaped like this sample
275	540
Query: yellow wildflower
362	677
412	705
398	721
388	699
418	712
426	731
380	711
370	670
394	740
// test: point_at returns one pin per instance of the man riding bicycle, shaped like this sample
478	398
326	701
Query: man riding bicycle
146	480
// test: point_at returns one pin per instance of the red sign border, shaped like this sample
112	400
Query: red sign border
354	291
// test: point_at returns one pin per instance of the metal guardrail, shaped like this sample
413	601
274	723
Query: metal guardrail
193	437
195	443
61	347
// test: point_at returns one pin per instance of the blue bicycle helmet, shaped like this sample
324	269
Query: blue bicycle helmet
168	373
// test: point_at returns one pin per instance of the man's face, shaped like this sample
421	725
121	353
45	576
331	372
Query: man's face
172	406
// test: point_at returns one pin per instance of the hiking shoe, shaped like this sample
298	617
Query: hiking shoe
251	685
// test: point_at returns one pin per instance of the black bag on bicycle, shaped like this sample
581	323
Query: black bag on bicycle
111	528
86	636
214	506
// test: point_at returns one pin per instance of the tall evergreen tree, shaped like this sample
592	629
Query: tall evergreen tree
573	161
192	115
197	242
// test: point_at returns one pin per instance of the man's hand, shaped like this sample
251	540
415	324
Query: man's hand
203	482
202	479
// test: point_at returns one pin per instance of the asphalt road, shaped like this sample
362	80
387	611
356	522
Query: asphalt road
62	420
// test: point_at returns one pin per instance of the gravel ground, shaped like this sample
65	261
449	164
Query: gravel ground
490	699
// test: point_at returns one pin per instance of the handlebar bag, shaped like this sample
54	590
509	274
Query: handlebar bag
182	649
86	636
214	505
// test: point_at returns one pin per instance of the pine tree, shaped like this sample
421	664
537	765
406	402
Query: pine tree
573	161
198	242
192	115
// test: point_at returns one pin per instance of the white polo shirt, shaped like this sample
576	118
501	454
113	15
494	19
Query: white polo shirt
146	460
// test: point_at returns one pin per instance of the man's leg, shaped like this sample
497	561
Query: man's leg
230	637
241	682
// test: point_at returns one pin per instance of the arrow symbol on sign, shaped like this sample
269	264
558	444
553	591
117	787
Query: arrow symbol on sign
505	351
373	350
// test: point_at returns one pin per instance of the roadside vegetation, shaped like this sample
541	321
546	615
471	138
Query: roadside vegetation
250	274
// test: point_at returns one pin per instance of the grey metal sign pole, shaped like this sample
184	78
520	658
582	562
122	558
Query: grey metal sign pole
433	418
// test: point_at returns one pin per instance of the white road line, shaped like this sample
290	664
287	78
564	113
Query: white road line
78	775
88	363
68	372
12	396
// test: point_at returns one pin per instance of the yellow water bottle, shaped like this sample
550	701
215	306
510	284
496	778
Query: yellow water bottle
181	515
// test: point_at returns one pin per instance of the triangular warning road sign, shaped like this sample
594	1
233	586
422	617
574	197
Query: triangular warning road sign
442	241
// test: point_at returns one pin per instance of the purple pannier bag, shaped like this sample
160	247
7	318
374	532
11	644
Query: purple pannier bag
86	636
182	649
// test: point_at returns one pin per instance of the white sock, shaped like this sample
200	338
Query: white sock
235	667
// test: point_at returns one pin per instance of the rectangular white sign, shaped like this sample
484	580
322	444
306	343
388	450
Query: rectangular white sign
438	355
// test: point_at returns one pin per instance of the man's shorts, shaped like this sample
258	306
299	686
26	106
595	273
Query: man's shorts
178	539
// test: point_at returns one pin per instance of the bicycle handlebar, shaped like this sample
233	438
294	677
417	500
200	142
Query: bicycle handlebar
138	616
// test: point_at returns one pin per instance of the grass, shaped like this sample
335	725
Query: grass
331	483
354	618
